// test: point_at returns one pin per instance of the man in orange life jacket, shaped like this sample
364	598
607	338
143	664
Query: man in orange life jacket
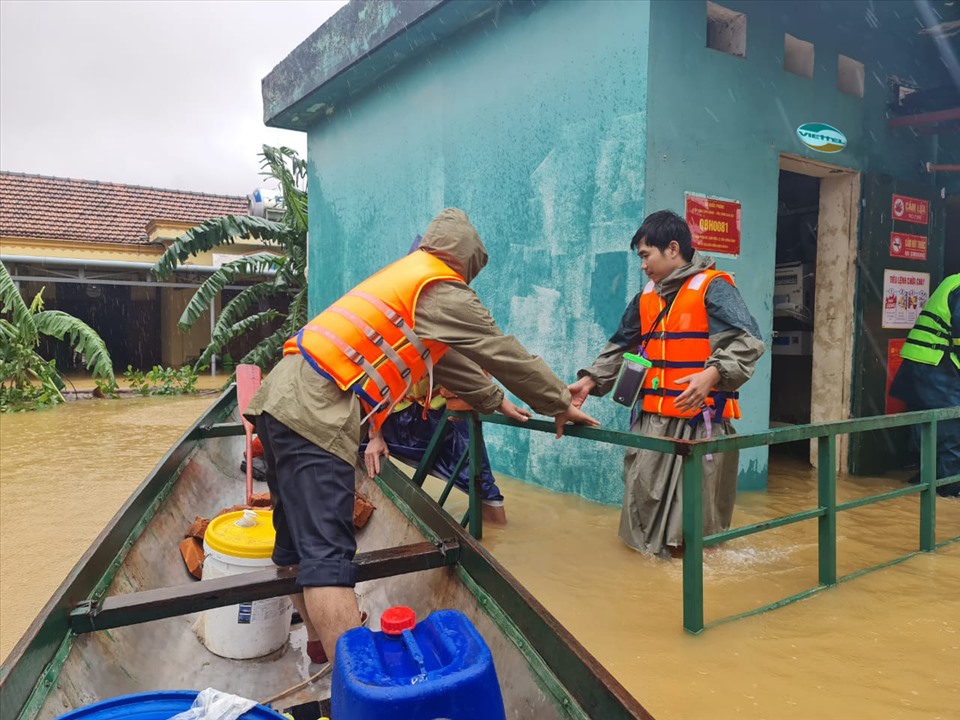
416	319
692	324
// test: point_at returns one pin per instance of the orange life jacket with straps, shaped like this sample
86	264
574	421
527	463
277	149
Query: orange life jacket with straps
366	342
678	344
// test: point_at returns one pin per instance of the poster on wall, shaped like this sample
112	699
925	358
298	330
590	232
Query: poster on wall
714	224
910	209
909	247
904	295
893	405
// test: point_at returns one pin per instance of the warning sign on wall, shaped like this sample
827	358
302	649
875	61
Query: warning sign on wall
714	224
910	209
893	405
904	295
910	247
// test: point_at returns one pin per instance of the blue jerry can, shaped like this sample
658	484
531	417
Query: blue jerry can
438	668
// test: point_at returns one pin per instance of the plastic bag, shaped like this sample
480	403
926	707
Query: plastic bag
212	704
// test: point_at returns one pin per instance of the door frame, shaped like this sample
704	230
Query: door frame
838	223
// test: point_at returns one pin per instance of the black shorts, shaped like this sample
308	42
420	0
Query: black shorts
313	495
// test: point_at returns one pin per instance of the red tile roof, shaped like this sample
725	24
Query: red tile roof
36	206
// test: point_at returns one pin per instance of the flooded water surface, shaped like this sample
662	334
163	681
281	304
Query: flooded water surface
64	472
885	645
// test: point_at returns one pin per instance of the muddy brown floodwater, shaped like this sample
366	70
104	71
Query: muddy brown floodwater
885	645
64	472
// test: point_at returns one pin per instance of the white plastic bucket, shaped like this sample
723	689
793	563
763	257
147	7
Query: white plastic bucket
247	630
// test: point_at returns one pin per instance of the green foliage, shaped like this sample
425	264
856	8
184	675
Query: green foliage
287	261
162	381
108	388
227	363
27	381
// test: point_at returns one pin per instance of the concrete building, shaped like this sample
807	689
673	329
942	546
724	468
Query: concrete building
812	145
91	245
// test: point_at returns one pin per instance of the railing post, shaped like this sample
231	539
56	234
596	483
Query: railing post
476	471
430	454
928	478
453	477
692	475
827	499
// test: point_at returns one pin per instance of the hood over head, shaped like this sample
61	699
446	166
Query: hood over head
452	238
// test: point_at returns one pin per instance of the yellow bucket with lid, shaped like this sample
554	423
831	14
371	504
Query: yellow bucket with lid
235	543
243	534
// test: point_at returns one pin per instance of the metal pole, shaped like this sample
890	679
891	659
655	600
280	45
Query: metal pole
213	322
430	455
827	499
931	167
692	472
476	470
928	479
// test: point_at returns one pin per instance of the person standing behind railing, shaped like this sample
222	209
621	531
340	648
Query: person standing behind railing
407	434
929	377
691	322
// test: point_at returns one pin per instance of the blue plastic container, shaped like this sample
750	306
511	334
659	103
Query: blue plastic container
161	705
441	668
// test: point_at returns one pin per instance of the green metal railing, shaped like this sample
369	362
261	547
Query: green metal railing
692	453
473	454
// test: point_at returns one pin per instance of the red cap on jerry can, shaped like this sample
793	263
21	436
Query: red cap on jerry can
397	619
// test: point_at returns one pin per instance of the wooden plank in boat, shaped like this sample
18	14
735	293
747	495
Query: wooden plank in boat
133	608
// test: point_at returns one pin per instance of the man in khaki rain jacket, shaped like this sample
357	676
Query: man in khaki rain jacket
651	520
311	429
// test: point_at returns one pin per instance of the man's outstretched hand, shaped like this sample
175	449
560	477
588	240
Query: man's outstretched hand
580	390
573	415
514	412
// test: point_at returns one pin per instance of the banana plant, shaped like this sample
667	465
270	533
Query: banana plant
26	379
281	269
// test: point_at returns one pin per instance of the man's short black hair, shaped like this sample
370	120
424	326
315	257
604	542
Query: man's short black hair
662	227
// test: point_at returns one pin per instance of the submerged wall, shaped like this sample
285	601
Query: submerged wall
557	126
531	121
718	123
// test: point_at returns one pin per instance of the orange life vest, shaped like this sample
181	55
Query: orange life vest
678	346
365	342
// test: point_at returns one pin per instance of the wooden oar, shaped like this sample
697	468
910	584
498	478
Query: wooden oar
248	380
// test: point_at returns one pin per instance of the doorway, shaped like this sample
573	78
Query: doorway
791	376
813	300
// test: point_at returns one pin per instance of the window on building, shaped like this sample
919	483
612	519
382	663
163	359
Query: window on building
797	56
850	76
726	30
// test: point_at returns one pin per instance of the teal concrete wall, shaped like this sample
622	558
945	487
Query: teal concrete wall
533	122
716	124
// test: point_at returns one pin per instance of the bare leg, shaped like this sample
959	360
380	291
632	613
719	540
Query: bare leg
302	609
332	611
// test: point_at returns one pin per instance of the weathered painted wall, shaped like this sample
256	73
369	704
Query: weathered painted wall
532	122
718	123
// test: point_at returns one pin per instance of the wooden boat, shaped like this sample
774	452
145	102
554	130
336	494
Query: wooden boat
123	620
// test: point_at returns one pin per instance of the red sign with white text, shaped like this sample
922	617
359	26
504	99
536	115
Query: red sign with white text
893	405
909	209
911	247
714	224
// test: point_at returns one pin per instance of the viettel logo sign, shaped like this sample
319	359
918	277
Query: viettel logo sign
821	137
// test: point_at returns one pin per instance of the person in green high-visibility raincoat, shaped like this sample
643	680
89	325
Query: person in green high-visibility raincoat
929	377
